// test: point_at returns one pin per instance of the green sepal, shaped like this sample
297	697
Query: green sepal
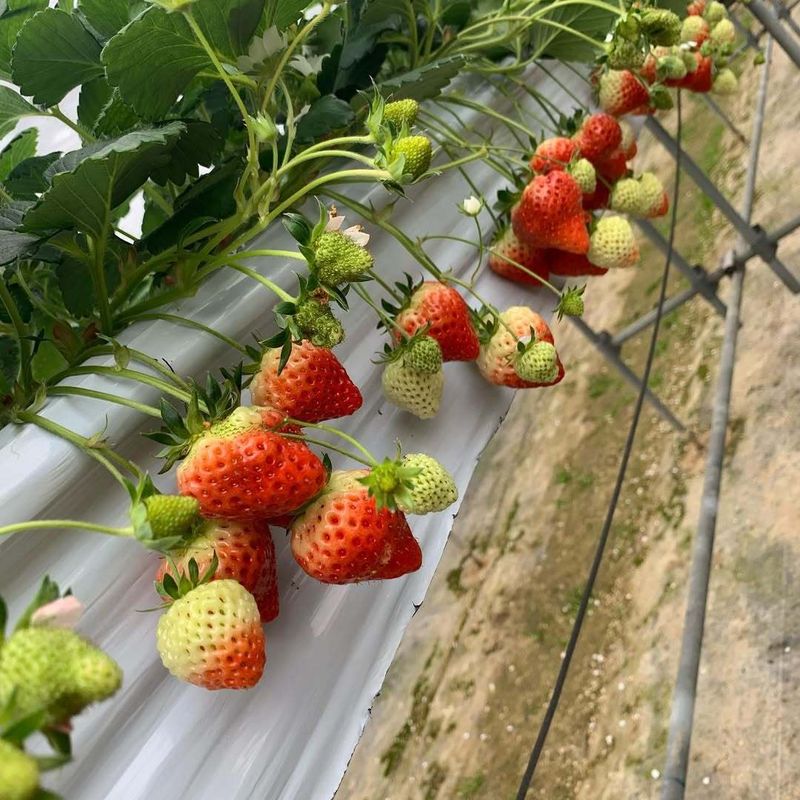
21	729
390	483
298	226
47	593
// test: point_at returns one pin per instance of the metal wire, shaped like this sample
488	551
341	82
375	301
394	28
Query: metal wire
597	561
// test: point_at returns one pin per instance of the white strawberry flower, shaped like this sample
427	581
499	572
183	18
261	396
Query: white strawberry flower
307	65
354	232
472	206
62	613
262	48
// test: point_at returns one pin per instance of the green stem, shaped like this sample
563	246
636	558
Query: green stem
131	375
79	391
58	114
381	282
46	524
382	315
328	446
257	276
198	326
98	272
152	192
336	432
21	335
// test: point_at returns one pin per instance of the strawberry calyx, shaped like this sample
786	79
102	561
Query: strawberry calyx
177	583
390	483
418	351
571	302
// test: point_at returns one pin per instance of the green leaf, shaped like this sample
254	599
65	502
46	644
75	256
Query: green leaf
16	151
27	178
154	58
198	144
326	114
422	83
13	108
106	16
48	592
287	12
16	14
95	95
14	244
115	118
553	42
53	54
85	196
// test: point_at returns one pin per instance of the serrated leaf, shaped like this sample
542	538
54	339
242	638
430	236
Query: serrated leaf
54	53
85	197
287	12
14	244
94	96
15	15
13	108
27	180
553	42
115	118
106	16
326	114
154	58
16	151
422	83
198	144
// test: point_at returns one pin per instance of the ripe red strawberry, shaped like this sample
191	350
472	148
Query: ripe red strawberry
648	70
342	537
313	386
246	554
212	637
621	92
243	468
509	245
550	214
598	136
701	80
696	8
443	309
628	144
571	264
552	154
598	198
613	166
499	351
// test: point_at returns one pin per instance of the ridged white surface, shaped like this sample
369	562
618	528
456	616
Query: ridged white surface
291	737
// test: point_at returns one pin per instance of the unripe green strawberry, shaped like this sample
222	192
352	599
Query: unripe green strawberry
419	393
417	151
613	244
626	196
694	29
424	354
571	303
19	773
56	670
623	54
584	174
212	637
715	12
339	259
726	82
432	489
316	320
662	27
690	60
671	67
171	514
538	363
723	32
401	112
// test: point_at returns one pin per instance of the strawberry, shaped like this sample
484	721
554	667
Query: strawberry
417	152
571	265
413	390
212	637
171	515
726	82
715	12
245	552
628	143
538	363
627	197
661	26
598	136
655	202
621	92
423	354
317	322
647	72
723	32
243	468
570	304
696	8
584	174
55	671
553	154
444	311
694	30
313	385
672	67
19	773
432	489
401	112
338	259
613	244
701	79
598	198
343	537
499	349
550	213
507	246
613	166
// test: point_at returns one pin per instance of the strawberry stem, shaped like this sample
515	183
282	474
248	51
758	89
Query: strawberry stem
257	276
382	315
328	446
80	391
45	524
336	432
21	335
191	323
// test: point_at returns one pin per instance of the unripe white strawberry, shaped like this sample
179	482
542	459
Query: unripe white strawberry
415	391
538	364
432	489
613	244
723	32
725	83
626	197
584	174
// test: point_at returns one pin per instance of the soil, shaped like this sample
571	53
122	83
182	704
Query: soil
463	700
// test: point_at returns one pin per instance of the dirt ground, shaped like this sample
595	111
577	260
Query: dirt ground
462	702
